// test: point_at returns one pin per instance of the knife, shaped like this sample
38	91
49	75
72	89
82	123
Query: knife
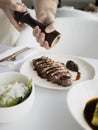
12	57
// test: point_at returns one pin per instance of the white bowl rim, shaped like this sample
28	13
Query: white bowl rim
85	126
23	102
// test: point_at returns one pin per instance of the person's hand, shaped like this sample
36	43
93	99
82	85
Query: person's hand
9	6
48	19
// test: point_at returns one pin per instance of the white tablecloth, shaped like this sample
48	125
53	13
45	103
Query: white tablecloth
49	111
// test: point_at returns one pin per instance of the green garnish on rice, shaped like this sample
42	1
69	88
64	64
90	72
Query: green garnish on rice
14	93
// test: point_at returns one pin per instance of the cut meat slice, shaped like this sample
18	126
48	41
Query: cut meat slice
53	71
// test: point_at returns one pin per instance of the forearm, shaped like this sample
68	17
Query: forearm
45	5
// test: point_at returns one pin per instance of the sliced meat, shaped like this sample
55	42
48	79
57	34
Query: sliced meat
53	71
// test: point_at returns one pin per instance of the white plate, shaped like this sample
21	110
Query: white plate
87	71
77	98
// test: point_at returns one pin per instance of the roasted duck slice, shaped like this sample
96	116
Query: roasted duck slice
53	71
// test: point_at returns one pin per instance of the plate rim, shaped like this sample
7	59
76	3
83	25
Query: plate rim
61	87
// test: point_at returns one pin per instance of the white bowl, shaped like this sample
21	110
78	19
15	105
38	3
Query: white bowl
12	113
77	98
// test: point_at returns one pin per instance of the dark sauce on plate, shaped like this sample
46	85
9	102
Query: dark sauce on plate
71	65
88	112
78	76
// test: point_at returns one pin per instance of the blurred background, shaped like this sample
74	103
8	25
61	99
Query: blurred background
79	4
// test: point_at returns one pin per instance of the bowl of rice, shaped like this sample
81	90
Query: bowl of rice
16	96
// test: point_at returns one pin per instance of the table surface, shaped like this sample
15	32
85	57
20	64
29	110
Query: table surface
49	111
